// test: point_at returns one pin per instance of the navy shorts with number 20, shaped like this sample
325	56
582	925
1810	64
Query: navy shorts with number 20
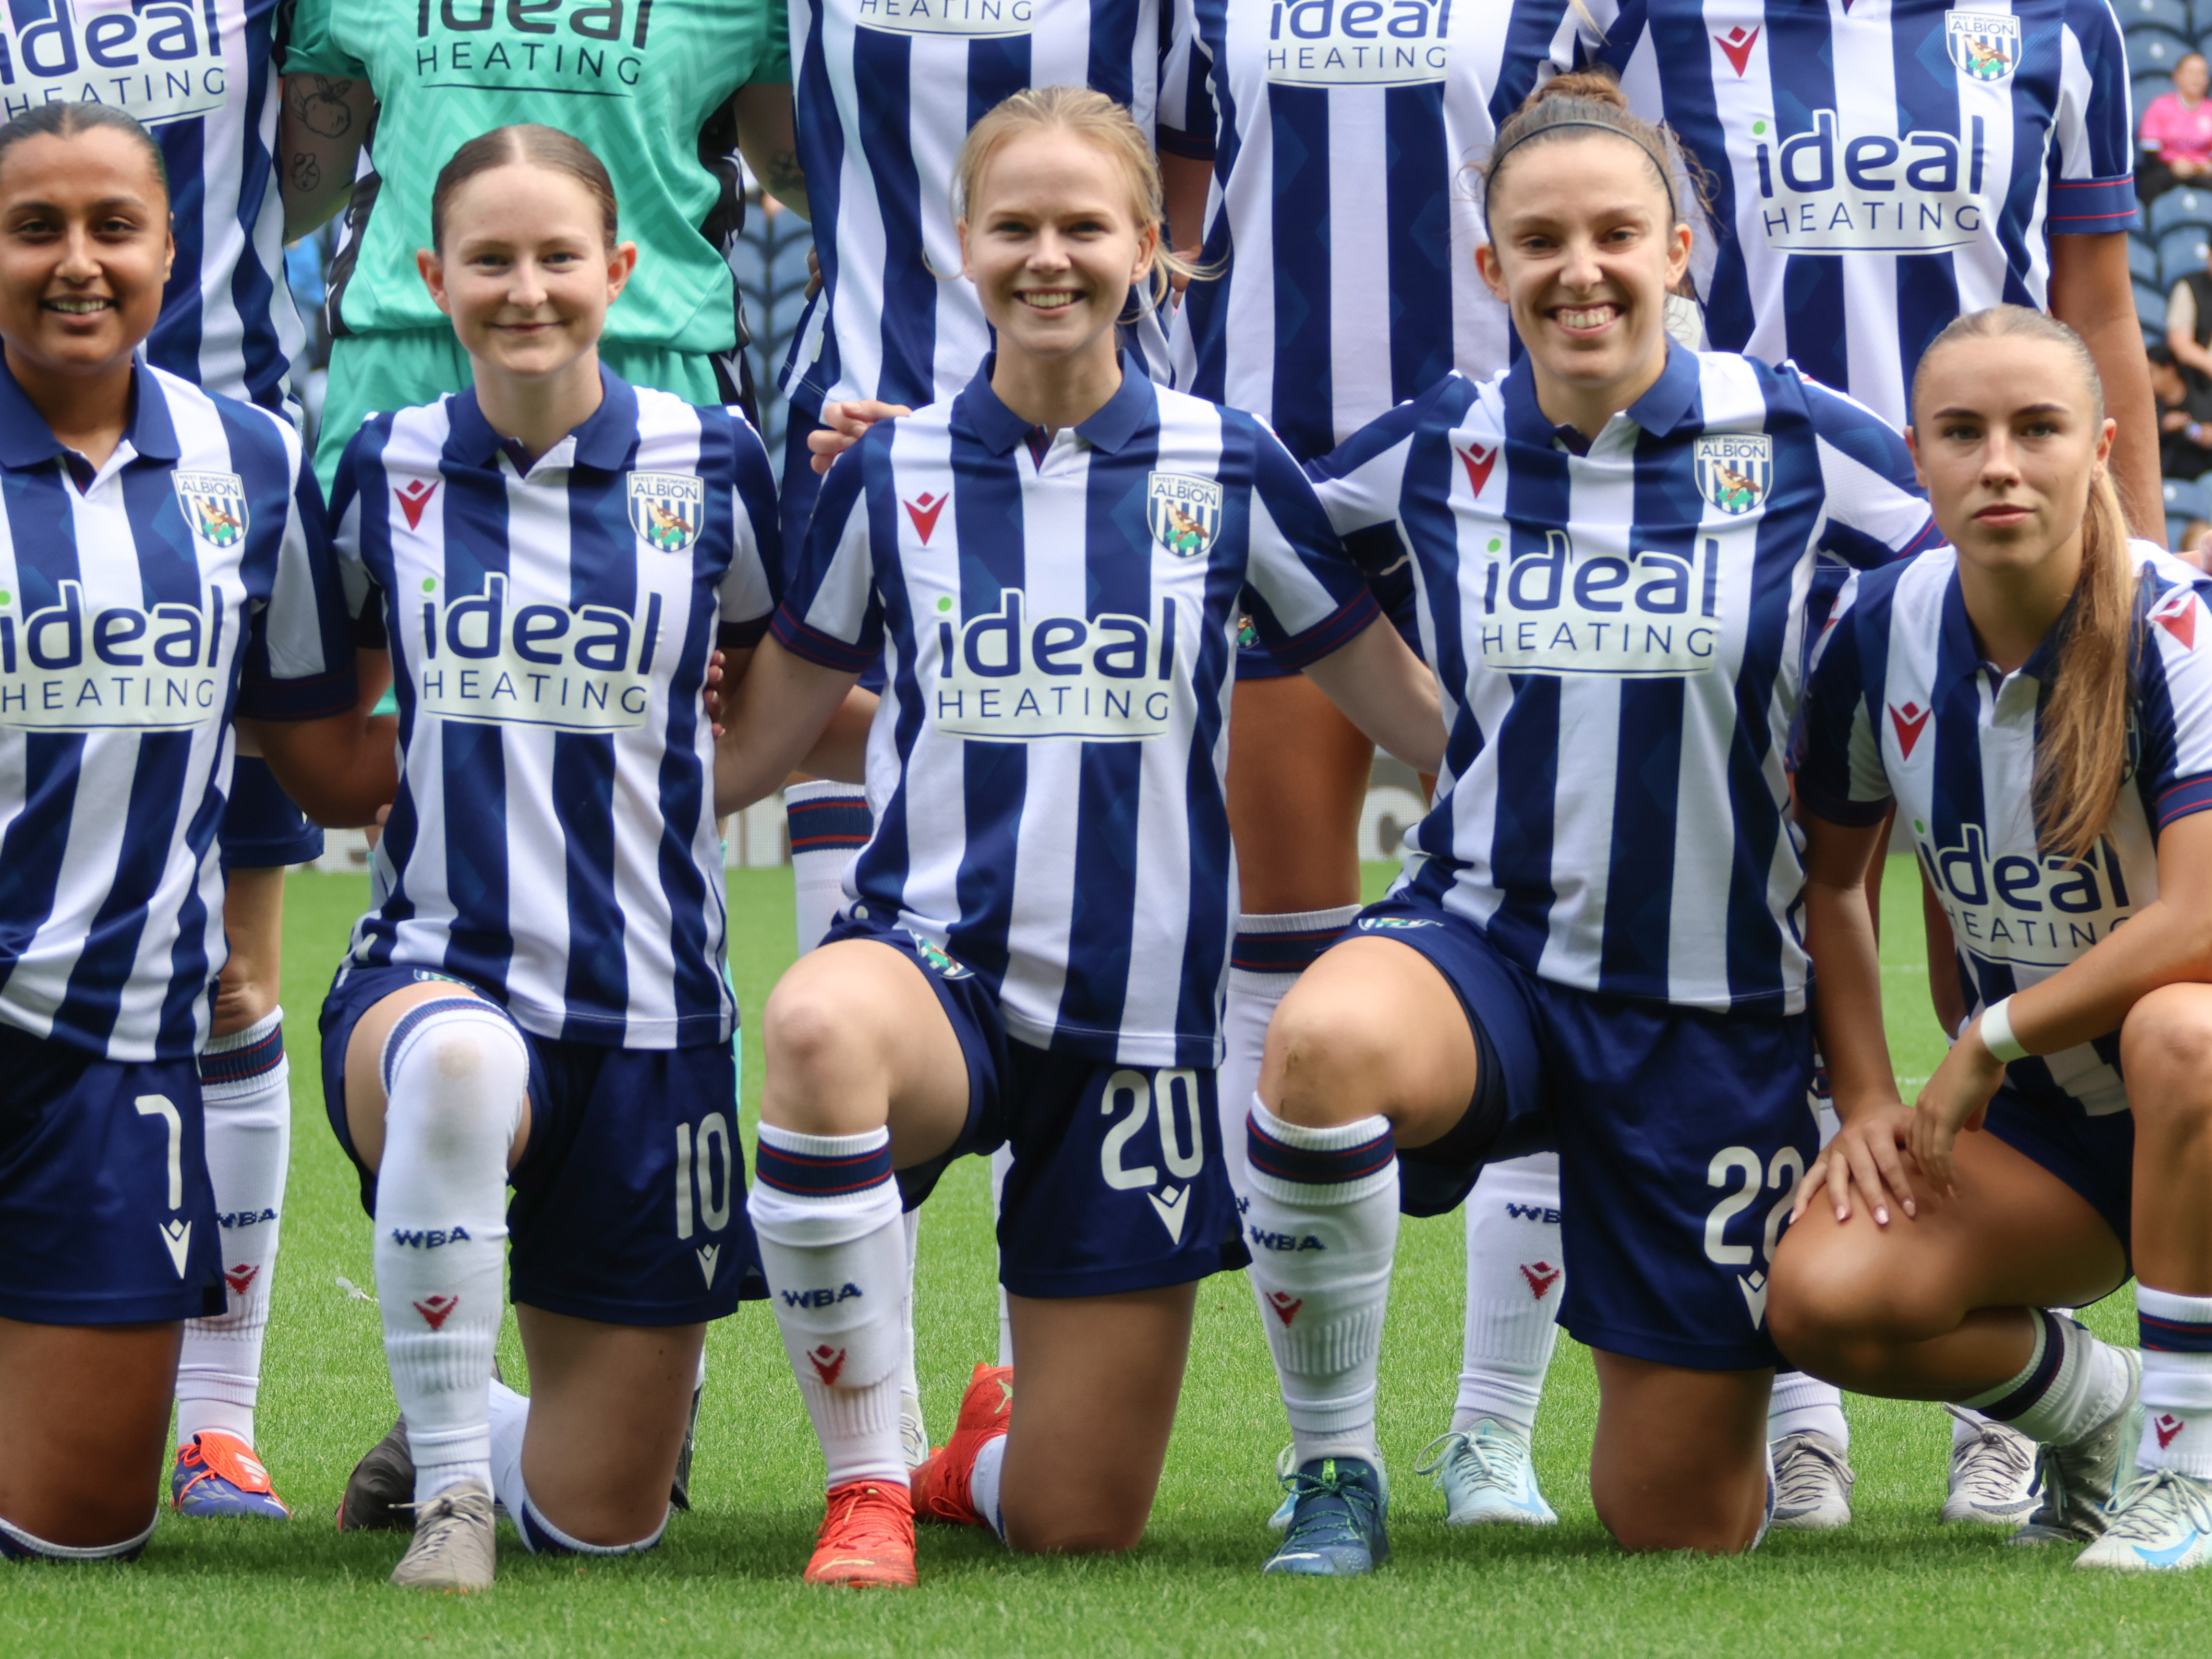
1117	1183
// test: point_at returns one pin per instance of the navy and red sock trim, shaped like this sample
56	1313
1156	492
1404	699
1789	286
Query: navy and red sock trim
811	1176
242	1065
1286	1162
2173	1335
830	824
1282	953
2039	1381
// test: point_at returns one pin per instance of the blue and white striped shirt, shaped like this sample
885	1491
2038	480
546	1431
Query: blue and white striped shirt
1058	621
1340	218
143	604
550	624
202	75
1903	707
1881	166
1620	637
884	92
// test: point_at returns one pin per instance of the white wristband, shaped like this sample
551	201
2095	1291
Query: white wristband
1996	1032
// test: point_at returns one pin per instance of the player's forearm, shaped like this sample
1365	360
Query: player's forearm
1388	693
2092	293
340	770
841	751
1847	997
319	134
768	138
778	712
1945	992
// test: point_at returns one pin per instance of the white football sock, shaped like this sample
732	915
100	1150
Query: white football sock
2176	1381
830	823
837	1258
1323	1223
245	1083
910	1232
1802	1404
1002	1163
983	1483
2071	1383
1514	1284
455	1075
510	1424
1282	945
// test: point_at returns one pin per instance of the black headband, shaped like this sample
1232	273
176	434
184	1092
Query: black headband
1497	157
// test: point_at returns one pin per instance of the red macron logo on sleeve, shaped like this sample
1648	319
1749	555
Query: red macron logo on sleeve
1541	1276
1910	721
413	496
2176	614
1735	45
923	510
1479	463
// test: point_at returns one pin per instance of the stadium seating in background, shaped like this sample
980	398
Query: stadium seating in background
2154	51
2169	15
2150	308
2187	503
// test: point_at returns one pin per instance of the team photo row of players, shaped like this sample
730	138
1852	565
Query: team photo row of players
1675	626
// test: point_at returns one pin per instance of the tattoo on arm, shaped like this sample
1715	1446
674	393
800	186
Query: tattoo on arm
307	173
785	175
322	107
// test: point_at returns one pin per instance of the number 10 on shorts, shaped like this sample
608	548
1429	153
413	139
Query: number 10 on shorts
703	1190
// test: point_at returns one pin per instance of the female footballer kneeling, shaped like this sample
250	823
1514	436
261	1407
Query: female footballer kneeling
2036	699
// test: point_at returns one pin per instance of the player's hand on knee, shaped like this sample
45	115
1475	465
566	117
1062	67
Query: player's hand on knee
1866	1154
1956	1100
844	424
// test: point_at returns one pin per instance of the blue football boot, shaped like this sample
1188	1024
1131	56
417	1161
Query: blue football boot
218	1474
1337	1523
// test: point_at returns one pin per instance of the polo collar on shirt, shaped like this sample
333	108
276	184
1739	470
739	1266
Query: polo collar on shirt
1961	656
26	439
1668	405
998	428
602	441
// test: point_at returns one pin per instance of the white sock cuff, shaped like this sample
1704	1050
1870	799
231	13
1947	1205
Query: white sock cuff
2168	1308
229	1388
2182	1381
32	1545
1362	1179
529	1520
823	789
800	1145
259	1031
1297	922
1336	1138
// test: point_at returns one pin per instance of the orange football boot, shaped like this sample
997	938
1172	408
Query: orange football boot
940	1485
866	1539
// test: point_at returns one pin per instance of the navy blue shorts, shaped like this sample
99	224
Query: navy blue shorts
107	1217
2094	1156
261	829
629	1201
1118	1182
1681	1137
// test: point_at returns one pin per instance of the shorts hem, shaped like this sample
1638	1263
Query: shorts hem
169	1307
627	1311
1116	1281
1683	1355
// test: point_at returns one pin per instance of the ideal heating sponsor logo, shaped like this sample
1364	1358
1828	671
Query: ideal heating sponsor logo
1847	185
551	44
1011	677
1554	609
583	668
2030	912
1359	43
160	60
977	20
75	665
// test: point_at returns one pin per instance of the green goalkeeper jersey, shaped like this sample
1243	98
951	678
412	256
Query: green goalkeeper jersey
637	82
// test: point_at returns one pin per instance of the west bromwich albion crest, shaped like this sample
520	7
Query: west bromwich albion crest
1984	44
1184	513
1733	473
666	509
214	505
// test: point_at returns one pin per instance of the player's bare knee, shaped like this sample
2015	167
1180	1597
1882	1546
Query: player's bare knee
810	1033
2166	1049
1325	1056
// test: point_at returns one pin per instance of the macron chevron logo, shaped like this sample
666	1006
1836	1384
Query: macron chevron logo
1479	463
413	496
2176	614
1735	45
828	1364
436	1309
923	510
1284	1306
1541	1276
241	1276
1910	721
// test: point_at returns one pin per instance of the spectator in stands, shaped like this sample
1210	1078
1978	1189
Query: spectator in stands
2177	132
2185	442
2189	337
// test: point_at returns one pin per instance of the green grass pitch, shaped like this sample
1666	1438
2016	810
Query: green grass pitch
727	1580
